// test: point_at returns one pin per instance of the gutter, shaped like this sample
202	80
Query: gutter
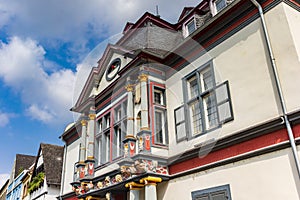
278	87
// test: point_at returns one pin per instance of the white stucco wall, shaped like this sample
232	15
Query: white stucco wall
243	61
284	24
71	158
268	176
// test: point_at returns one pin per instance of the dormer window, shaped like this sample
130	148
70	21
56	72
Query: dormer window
191	26
220	4
194	23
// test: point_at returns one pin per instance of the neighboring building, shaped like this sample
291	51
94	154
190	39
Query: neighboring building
46	175
26	181
20	167
206	108
3	190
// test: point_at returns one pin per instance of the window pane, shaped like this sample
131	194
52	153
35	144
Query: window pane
159	126
157	98
100	126
106	148
224	111
180	131
179	115
118	114
210	110
206	79
192	87
220	4
191	26
222	93
195	116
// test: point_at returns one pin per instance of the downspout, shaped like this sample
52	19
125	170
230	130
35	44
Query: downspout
278	87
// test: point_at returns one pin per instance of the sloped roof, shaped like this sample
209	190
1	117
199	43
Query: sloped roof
53	162
22	162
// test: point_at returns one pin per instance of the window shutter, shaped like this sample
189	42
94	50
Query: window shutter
224	102
202	197
219	195
180	124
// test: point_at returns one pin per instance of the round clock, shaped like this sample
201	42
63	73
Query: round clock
113	69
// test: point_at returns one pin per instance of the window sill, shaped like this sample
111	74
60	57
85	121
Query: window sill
161	146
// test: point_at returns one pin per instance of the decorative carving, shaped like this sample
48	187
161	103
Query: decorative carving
132	148
107	181
141	143
91	169
81	171
118	178
92	116
147	143
129	87
143	77
100	185
83	122
107	196
125	150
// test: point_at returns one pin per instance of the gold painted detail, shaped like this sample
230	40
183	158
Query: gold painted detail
151	180
92	198
143	77
90	158
134	185
83	122
92	116
145	129
130	136
129	87
130	118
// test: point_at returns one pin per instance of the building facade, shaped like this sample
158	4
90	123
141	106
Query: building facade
45	181
206	108
3	190
20	168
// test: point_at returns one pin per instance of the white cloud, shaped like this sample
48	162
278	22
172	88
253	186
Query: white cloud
48	97
78	21
44	87
3	179
4	119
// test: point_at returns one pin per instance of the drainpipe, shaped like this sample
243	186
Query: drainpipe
278	86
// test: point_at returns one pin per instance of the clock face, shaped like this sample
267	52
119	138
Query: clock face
113	69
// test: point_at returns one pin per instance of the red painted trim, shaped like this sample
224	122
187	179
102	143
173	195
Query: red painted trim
110	109
111	132
294	2
220	35
112	120
152	110
152	120
235	150
110	98
71	198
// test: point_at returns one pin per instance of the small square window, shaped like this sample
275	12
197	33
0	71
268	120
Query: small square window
158	96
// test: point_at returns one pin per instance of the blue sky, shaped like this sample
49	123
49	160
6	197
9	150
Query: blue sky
43	45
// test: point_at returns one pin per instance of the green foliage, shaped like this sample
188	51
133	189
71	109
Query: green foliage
36	182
